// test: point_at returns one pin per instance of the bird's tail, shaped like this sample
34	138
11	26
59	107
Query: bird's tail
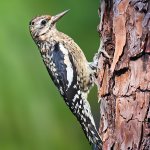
96	140
95	147
89	127
92	135
82	110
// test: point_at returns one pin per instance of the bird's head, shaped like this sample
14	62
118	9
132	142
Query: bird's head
44	24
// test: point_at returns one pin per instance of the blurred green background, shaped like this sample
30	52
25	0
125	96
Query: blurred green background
33	116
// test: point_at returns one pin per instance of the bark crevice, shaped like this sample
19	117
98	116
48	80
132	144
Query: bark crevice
123	77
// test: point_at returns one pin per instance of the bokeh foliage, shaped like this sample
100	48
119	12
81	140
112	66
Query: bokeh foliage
33	116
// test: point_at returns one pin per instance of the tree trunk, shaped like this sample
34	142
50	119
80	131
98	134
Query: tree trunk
124	74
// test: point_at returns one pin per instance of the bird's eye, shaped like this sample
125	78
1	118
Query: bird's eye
43	22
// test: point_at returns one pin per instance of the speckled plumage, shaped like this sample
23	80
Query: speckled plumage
68	68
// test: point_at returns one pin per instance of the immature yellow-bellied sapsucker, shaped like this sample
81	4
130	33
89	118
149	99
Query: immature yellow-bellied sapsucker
68	68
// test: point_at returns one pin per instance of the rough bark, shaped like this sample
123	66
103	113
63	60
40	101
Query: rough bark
124	74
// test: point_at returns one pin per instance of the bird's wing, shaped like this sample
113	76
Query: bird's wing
61	67
79	61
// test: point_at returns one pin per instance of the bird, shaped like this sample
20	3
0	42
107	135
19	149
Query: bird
68	69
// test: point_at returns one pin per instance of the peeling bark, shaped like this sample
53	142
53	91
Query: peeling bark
124	74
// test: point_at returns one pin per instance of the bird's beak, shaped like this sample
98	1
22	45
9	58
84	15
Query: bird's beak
58	16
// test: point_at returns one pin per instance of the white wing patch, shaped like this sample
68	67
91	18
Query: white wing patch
68	64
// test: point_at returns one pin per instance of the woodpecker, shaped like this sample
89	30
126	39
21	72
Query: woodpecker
68	68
